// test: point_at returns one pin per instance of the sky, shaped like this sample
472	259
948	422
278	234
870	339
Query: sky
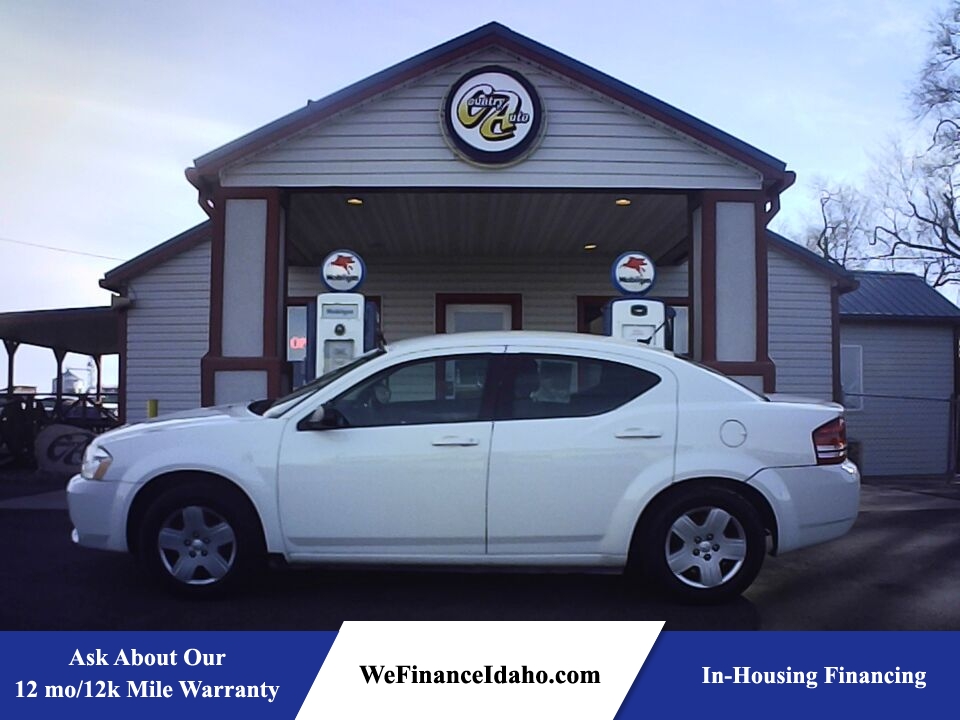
104	103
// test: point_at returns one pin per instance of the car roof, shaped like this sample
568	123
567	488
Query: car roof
531	338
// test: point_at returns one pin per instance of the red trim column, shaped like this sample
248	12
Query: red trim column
249	364
751	358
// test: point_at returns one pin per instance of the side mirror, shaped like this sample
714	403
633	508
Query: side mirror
325	417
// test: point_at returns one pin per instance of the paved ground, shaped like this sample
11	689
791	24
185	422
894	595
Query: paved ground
899	568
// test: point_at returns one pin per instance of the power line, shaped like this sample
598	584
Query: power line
58	249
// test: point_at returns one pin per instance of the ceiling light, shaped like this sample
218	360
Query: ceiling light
590	246
622	202
354	201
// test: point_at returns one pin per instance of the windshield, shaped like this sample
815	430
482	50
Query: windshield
281	405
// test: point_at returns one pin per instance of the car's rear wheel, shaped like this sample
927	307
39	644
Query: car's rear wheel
702	545
201	538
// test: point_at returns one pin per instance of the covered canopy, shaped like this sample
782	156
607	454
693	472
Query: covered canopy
87	331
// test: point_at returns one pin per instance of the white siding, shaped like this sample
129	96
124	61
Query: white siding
244	259
167	333
902	436
549	288
395	140
736	281
799	324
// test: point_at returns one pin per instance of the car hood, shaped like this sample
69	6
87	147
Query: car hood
187	419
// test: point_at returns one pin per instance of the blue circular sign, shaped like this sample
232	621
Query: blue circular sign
343	271
633	273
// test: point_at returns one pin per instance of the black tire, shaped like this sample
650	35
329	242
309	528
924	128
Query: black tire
201	538
701	544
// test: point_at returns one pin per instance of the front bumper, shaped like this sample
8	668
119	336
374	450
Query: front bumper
97	513
812	504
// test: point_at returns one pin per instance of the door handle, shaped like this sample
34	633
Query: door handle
456	441
639	432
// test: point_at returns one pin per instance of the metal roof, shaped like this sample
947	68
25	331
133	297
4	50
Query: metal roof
88	331
896	296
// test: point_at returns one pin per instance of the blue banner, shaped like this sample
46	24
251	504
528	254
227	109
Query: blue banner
798	674
268	675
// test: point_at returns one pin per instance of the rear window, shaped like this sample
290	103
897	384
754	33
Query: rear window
547	386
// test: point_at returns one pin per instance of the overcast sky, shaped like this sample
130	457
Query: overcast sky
104	103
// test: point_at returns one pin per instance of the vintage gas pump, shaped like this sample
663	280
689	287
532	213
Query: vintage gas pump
634	316
341	323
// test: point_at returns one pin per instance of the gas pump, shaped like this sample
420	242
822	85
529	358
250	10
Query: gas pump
634	316
340	330
341	324
648	321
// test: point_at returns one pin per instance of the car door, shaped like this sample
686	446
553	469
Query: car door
573	437
404	473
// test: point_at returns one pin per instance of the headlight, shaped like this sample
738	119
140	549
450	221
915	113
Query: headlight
96	460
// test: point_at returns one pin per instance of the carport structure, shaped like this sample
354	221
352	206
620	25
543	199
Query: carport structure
93	331
374	168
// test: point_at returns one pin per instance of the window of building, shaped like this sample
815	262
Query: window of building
478	311
851	376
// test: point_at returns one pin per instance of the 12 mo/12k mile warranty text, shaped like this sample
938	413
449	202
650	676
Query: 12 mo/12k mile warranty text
146	688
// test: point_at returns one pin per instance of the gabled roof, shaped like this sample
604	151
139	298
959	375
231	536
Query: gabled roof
115	279
896	296
844	278
206	167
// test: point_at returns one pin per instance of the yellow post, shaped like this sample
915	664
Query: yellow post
153	406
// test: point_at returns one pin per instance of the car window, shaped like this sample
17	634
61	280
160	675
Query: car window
278	407
436	390
551	386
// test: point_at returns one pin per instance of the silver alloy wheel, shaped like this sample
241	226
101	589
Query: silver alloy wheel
197	545
706	547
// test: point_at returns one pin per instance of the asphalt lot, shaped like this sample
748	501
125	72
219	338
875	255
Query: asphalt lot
899	568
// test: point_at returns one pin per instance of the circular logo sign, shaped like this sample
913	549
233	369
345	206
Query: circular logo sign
633	273
492	116
343	271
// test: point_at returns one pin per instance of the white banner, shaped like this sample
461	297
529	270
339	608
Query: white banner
486	670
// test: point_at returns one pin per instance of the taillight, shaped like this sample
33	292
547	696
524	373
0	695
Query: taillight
830	442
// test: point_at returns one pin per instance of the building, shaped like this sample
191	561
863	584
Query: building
898	346
382	168
489	181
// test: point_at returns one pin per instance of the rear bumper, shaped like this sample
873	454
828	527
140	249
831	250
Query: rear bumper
812	504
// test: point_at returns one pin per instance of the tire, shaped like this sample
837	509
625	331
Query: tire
702	545
201	539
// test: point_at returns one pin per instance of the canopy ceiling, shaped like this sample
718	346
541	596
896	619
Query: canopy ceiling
467	223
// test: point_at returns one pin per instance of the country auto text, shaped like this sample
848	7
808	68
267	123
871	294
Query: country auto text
487	675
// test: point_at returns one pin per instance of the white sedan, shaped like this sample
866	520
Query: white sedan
482	449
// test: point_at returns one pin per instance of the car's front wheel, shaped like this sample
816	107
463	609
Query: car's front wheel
201	538
702	545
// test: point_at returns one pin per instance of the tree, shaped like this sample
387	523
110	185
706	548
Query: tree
843	232
918	224
909	219
919	196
